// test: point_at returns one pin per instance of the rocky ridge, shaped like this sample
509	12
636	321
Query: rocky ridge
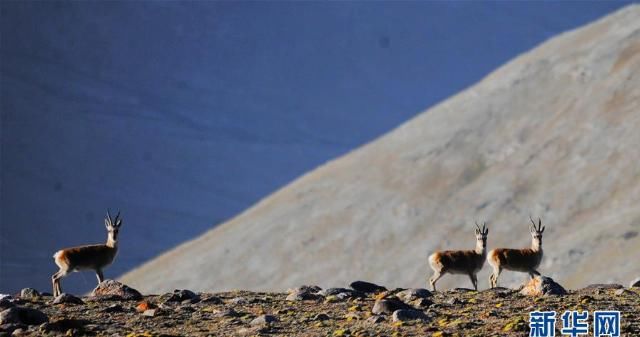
312	312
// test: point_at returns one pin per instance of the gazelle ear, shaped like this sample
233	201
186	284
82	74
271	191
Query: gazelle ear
118	223
106	223
477	232
486	231
543	227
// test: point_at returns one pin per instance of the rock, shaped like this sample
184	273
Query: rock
144	306
302	294
150	312
341	293
635	283
388	306
624	291
367	287
321	317
65	298
6	302
63	325
19	315
305	288
264	320
421	303
10	327
183	296
404	315
333	291
542	286
409	295
375	319
114	289
212	300
453	301
225	313
19	332
239	300
29	293
113	308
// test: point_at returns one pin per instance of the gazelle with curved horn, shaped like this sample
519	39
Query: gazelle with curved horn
89	257
523	260
468	262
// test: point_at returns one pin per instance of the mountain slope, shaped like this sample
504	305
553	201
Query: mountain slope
551	134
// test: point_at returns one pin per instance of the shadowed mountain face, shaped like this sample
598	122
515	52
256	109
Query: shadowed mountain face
184	114
552	134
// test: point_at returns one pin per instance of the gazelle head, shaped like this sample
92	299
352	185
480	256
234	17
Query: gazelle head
113	227
536	233
481	235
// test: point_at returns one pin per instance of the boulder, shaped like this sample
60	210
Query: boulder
184	295
20	315
389	305
264	320
64	325
409	295
542	286
29	293
304	293
114	289
65	298
404	315
341	293
635	283
6	301
367	287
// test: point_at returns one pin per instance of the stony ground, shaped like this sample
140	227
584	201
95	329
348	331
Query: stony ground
310	312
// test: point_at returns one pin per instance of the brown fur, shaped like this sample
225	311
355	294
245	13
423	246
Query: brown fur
467	262
515	259
523	260
458	261
85	257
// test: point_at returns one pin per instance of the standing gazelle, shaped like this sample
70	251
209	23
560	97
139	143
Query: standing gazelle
467	262
523	260
89	257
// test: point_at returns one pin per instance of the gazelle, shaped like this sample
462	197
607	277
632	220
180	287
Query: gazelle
522	260
467	262
89	257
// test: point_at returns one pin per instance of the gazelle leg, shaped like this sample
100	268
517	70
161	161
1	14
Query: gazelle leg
493	279
54	283
474	281
55	279
436	276
100	276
